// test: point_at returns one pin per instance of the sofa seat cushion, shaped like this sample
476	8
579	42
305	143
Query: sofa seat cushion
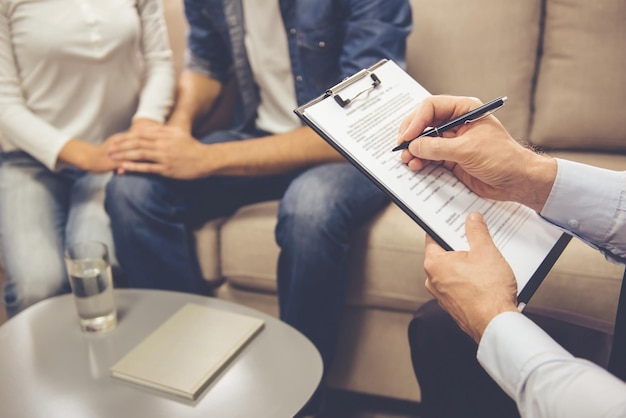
248	251
207	247
583	285
386	268
386	263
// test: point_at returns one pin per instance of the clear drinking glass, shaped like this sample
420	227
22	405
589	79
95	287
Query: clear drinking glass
90	277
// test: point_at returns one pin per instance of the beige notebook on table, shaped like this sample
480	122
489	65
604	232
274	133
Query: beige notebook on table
184	354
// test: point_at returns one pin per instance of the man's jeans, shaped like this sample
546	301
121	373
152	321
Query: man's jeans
317	218
41	213
153	219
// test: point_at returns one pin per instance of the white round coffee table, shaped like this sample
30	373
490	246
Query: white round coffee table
49	368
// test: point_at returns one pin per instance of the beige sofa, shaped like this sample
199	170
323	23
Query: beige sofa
562	64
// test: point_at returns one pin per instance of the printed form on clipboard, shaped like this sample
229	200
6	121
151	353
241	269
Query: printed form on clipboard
360	118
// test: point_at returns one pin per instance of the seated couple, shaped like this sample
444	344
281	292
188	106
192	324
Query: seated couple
68	138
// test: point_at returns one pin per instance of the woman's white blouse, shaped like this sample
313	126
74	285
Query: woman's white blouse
80	69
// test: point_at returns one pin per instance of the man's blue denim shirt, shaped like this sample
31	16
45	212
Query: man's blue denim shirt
328	41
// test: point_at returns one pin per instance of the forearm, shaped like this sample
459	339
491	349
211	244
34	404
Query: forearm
78	153
172	152
274	154
196	94
89	157
139	123
538	173
32	134
543	378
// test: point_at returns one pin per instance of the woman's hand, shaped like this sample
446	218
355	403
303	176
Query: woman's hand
89	157
165	150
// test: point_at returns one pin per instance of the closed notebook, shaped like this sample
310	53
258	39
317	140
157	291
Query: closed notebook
188	350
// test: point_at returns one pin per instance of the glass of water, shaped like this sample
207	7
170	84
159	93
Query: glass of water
90	277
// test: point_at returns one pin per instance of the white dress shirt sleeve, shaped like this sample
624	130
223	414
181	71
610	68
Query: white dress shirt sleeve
590	203
86	78
542	377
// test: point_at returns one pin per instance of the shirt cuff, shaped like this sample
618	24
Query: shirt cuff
512	347
51	158
584	217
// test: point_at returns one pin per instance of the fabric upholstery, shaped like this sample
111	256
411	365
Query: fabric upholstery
581	84
481	48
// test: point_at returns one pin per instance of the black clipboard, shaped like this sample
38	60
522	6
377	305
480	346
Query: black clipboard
358	87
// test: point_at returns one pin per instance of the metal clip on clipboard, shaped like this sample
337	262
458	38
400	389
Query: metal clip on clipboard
358	76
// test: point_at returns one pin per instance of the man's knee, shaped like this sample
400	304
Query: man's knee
431	325
310	207
424	320
336	189
328	202
130	193
308	199
119	192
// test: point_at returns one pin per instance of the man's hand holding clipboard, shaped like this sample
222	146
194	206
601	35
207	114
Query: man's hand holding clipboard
365	132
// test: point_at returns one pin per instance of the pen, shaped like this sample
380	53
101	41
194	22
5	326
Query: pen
471	116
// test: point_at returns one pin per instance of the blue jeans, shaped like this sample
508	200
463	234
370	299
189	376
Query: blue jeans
318	215
153	219
41	213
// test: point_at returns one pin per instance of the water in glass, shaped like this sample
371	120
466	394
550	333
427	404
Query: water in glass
92	286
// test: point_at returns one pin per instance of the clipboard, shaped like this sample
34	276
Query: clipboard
359	117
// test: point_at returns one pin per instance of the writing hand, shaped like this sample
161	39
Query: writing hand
482	154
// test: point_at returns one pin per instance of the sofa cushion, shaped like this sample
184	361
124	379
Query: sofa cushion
207	247
581	85
387	264
581	284
481	48
386	268
248	250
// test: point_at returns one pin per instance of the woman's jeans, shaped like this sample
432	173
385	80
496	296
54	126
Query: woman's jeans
41	213
153	219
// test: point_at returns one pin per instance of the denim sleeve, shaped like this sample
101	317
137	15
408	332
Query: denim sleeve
590	203
207	52
375	29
